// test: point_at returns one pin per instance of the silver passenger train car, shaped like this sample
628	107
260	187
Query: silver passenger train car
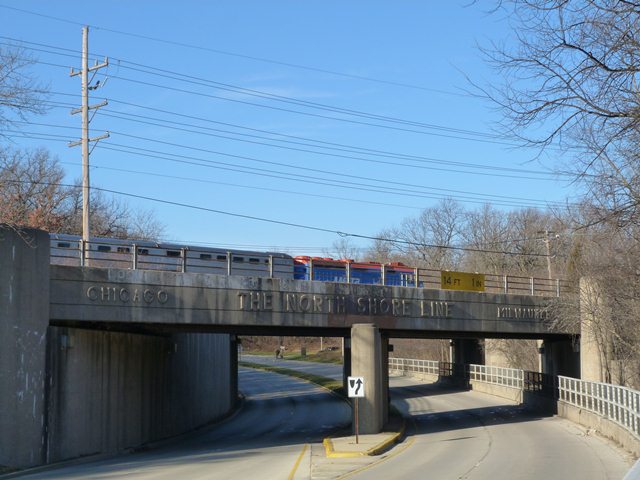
147	255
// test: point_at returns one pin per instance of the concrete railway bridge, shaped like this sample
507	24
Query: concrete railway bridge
102	359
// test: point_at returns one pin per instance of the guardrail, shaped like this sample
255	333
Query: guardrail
615	403
618	404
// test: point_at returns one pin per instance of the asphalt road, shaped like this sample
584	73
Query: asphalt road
469	435
451	435
280	417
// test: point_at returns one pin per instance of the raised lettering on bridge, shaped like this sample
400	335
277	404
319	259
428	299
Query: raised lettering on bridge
254	301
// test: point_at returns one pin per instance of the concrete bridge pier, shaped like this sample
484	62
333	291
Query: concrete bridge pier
467	350
561	357
369	359
346	361
233	370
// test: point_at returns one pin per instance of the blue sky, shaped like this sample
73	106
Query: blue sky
201	156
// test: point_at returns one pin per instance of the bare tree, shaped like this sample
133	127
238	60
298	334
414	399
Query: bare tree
426	241
30	191
487	229
20	94
33	194
570	84
343	248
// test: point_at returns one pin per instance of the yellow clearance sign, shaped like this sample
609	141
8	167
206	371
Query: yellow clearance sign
473	282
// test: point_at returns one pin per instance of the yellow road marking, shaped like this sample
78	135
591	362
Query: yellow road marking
297	464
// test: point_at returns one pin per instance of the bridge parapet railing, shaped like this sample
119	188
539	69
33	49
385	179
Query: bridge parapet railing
509	284
116	253
508	377
616	403
410	365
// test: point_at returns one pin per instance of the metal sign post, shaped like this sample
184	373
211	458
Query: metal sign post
357	422
355	387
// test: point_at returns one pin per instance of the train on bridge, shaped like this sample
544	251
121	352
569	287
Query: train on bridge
147	255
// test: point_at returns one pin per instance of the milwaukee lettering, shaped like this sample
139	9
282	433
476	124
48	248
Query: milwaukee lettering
525	313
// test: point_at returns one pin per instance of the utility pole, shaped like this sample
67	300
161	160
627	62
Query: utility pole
84	141
547	244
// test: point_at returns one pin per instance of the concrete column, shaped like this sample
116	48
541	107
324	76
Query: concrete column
346	361
24	317
366	361
468	350
594	341
233	370
384	370
559	357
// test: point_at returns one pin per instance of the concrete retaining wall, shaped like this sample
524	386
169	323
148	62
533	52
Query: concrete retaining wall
509	393
426	377
112	391
600	424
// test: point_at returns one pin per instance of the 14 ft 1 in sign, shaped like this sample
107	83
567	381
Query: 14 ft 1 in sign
355	387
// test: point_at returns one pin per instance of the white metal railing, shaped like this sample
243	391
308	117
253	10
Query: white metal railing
509	377
613	402
616	403
411	365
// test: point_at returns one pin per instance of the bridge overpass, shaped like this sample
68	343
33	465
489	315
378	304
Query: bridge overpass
171	303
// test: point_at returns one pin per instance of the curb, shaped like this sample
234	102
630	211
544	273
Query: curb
382	447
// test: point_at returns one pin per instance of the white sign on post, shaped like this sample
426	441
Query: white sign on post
355	387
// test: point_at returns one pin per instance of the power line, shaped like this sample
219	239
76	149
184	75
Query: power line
330	145
314	170
309	114
485	138
192	79
248	57
191	160
282	222
151	121
201	180
290	177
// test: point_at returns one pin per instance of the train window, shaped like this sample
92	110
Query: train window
173	253
254	260
124	250
64	245
205	256
143	251
104	248
222	257
238	259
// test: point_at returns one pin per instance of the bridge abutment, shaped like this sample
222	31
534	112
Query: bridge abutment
24	317
67	392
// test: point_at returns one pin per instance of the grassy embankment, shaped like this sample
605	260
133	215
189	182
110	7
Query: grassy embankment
325	356
329	383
